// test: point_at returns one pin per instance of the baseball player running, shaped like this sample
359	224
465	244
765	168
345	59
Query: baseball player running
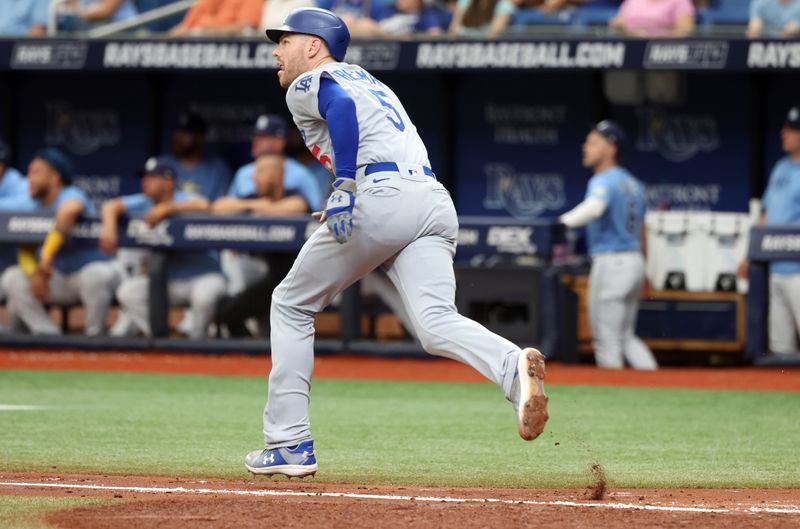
386	209
614	210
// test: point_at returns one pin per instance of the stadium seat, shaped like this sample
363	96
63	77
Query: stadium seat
534	17
161	25
594	15
729	12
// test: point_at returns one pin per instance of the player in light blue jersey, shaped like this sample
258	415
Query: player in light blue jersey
198	172
269	137
781	204
386	210
60	272
193	278
12	183
613	212
13	186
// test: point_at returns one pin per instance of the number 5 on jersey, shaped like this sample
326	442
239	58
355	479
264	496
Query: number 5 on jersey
399	125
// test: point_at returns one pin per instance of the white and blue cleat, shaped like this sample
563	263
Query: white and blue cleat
292	461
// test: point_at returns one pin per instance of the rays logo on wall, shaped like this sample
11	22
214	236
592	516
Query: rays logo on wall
81	131
524	196
677	137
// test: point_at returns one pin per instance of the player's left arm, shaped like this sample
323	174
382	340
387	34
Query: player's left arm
100	10
66	216
338	109
163	210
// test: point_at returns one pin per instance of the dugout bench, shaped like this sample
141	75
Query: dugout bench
483	290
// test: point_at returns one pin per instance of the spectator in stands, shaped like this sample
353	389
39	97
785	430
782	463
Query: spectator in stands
24	17
215	17
781	206
404	17
614	210
774	18
481	18
198	172
655	18
61	274
80	15
270	198
276	10
192	277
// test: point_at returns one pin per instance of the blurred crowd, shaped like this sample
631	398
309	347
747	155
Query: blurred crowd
399	19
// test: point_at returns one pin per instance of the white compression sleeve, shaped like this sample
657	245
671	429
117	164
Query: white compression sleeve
584	213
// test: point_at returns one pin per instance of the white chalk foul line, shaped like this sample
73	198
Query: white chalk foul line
20	407
432	499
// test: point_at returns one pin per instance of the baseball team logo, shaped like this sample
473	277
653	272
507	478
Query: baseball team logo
524	196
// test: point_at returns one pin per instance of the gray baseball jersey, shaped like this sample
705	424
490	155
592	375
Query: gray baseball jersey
404	221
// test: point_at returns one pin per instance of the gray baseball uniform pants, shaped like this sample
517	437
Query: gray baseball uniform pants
93	286
615	284
201	293
784	313
409	227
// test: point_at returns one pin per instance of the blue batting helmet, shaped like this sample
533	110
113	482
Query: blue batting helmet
319	22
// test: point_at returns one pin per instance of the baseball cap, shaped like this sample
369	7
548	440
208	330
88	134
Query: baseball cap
793	118
270	125
5	152
190	122
611	131
56	159
159	165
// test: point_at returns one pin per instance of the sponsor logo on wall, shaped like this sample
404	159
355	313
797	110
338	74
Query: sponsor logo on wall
684	55
683	196
552	54
189	55
81	130
229	122
677	137
376	56
521	124
48	55
524	196
773	55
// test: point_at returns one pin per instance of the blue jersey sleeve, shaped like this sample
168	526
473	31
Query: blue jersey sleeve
339	110
598	189
243	185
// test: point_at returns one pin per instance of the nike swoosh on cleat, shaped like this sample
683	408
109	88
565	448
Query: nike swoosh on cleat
376	180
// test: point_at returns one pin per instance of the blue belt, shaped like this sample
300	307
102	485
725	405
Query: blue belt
381	167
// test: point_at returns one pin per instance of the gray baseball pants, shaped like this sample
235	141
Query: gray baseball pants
201	293
615	284
92	286
784	313
409	227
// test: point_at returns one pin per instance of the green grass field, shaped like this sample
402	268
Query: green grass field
402	433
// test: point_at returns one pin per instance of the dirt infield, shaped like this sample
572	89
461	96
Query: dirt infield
375	368
166	503
140	502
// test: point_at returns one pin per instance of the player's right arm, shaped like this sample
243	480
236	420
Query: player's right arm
110	213
592	207
755	27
